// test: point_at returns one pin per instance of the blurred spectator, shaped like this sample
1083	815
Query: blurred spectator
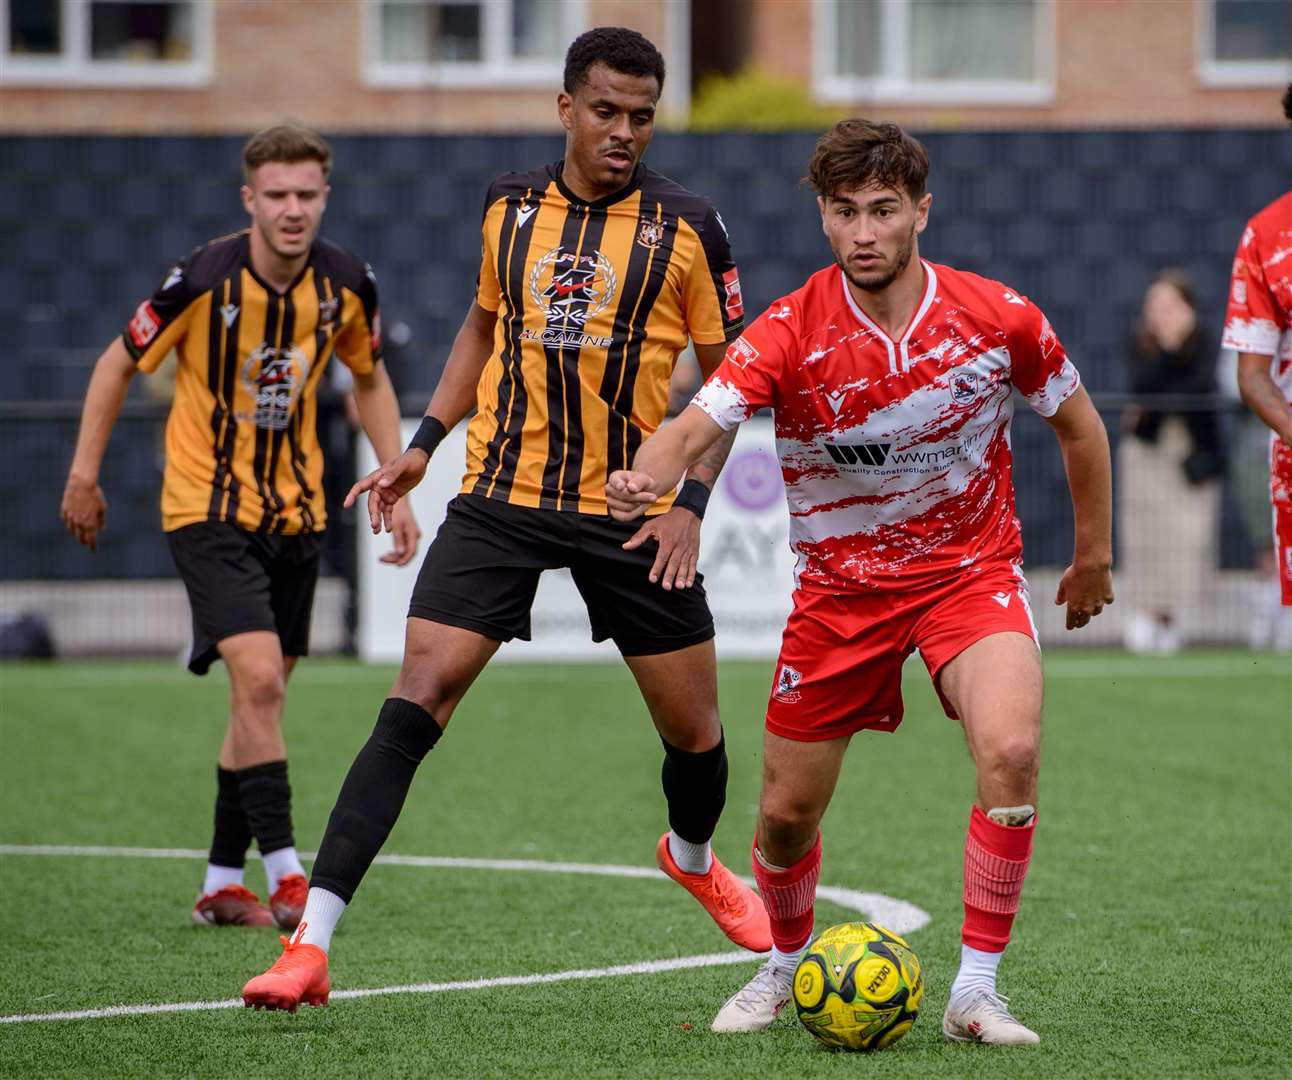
1170	461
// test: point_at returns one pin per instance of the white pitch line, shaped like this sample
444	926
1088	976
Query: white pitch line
898	915
648	967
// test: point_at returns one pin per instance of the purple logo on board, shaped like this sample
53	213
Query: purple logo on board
752	479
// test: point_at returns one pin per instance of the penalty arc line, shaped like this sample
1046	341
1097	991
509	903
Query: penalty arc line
898	915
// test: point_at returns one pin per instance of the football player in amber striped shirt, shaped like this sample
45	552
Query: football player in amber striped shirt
254	319
595	272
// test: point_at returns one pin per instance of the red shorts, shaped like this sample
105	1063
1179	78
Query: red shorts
840	667
1281	504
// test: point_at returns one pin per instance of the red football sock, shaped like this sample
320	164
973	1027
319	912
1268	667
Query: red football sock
996	860
789	896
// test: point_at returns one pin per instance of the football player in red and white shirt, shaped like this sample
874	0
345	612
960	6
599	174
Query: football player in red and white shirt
891	380
1259	326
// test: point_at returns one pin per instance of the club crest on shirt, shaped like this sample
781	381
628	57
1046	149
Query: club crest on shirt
327	313
650	233
964	387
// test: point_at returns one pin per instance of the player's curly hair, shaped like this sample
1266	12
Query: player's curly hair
289	143
860	153
1287	102
619	48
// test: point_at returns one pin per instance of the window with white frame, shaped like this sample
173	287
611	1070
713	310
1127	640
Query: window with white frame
105	42
468	42
1245	42
931	51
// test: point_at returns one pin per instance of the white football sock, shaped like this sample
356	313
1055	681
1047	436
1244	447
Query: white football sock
280	864
977	971
787	962
690	858
323	910
217	877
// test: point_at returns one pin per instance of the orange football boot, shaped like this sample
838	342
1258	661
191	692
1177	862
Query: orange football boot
734	906
232	905
288	901
300	974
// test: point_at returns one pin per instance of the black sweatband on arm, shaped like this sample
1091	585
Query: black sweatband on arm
693	496
430	433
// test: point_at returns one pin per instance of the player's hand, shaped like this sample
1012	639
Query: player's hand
406	535
84	511
628	494
387	485
678	535
1087	590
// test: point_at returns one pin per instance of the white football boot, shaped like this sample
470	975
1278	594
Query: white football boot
754	1006
982	1016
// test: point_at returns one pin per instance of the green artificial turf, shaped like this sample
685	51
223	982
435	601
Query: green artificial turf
1153	939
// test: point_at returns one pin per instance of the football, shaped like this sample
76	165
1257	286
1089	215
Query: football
858	987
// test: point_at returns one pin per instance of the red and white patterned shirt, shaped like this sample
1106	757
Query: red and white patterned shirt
895	454
1259	319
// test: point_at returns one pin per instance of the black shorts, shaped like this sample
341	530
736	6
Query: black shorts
481	573
239	580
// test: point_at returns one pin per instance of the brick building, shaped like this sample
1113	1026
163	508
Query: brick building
376	66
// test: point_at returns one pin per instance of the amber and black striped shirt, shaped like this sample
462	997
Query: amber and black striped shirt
594	302
241	444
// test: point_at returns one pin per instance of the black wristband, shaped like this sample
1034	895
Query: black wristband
693	496
429	435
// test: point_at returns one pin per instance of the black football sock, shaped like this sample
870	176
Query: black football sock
373	795
695	786
267	802
232	834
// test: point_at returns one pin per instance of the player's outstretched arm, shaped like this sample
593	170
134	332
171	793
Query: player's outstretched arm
660	462
1263	396
706	468
676	534
1087	585
84	510
378	408
656	469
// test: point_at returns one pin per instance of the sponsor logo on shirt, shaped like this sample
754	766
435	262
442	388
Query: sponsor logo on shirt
859	453
570	289
1049	340
274	378
144	326
920	458
741	353
734	307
